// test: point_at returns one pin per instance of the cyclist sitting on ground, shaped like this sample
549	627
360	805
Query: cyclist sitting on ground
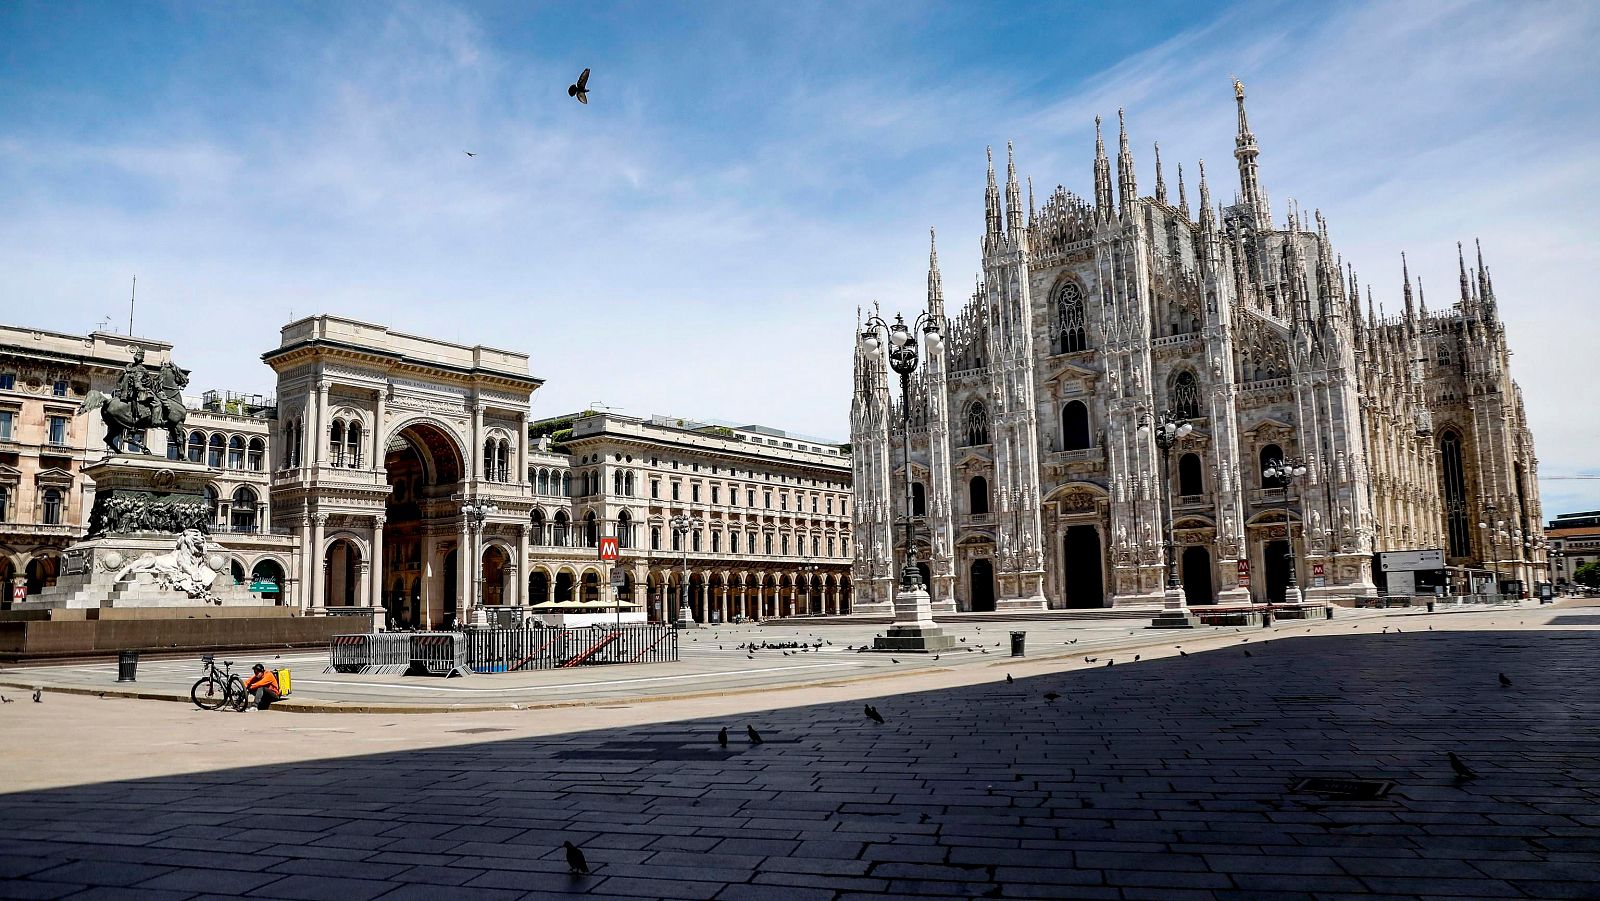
263	687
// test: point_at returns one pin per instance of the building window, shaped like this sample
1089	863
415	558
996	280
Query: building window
716	494
733	542
197	447
750	497
813	503
5	506
243	514
978	494
8	381
977	424
783	500
919	500
1190	480
677	540
655	538
785	541
1075	426
256	453
655	488
52	507
6	419
696	541
830	546
537	520
1268	456
830	506
716	542
1186	395
1455	495
768	544
58	430
844	546
694	492
675	490
767	499
814	546
624	530
59	389
214	452
1070	333
235	452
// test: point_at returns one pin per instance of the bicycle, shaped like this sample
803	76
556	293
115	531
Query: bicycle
219	688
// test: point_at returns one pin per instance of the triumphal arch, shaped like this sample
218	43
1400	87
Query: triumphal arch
399	460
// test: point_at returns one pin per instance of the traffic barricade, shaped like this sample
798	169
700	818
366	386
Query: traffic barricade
439	654
349	653
388	654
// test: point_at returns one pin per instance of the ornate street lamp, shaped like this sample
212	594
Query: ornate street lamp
476	511
681	525
810	570
913	629
1286	472
1169	428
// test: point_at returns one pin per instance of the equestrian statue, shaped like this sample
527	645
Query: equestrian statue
142	399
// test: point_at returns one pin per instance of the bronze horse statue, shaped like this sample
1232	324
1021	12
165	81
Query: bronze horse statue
159	406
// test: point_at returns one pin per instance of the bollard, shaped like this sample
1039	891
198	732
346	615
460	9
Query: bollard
127	666
1329	608
1266	617
1430	606
1018	641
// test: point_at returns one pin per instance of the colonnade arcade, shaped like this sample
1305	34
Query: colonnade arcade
747	593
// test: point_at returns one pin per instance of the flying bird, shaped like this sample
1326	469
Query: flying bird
722	736
580	89
469	153
873	714
1505	682
1460	766
575	860
755	737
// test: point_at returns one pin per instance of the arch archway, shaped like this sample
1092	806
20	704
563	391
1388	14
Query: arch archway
41	572
268	570
342	574
1196	563
494	575
1083	567
423	465
981	585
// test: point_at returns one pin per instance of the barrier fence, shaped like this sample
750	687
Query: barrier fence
501	650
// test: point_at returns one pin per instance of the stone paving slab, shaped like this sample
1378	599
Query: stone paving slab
1168	778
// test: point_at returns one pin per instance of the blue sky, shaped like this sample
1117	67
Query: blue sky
697	239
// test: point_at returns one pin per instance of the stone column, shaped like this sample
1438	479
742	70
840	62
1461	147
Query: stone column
522	447
477	442
319	425
744	600
319	565
523	552
364	577
466	567
303	577
379	411
375	599
722	605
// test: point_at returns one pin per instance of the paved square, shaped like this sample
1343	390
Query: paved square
1166	778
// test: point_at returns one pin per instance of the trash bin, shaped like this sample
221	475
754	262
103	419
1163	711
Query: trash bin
127	666
1329	609
1018	640
1266	618
1430	606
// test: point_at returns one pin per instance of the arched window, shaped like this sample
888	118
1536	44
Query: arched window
1070	333
1190	481
504	460
627	484
919	500
1454	481
538	527
1268	456
243	515
733	542
174	450
716	542
624	530
236	452
336	442
616	483
561	528
352	445
977	423
566	484
655	538
197	447
5	509
489	459
51	514
544	481
591	530
814	545
255	455
213	501
978	494
1075	426
1186	395
214	451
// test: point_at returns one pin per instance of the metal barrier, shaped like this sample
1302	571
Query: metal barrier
349	653
390	654
439	653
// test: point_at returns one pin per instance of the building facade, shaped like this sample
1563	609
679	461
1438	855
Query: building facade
1574	543
1034	484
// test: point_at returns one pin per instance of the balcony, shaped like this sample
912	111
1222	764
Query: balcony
1272	497
978	519
41	530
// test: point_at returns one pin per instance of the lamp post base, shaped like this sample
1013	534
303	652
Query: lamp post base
685	618
1174	613
914	631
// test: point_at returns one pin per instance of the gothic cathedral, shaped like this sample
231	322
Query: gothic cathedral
1032	484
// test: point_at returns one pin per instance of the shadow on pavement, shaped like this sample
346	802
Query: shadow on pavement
1166	778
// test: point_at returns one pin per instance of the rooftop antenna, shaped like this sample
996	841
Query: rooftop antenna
105	323
131	296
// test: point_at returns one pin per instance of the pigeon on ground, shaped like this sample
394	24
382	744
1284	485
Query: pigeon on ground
1111	662
38	696
1009	680
1505	681
469	153
893	660
1183	653
580	89
575	861
1051	695
1248	654
963	640
722	736
873	714
1460	766
1135	658
936	656
755	737
1090	659
5	700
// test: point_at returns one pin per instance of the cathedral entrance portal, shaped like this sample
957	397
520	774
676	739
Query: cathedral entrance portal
1277	566
1197	576
982	586
424	468
1082	569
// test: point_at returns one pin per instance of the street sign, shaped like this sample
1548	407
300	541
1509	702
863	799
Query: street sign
1317	570
19	593
619	577
1410	561
263	585
608	549
1244	573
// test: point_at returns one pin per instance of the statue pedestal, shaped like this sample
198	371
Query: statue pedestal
914	631
146	508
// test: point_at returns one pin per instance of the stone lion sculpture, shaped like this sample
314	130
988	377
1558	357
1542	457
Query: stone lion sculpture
184	569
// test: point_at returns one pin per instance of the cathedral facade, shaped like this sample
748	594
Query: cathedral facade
1032	483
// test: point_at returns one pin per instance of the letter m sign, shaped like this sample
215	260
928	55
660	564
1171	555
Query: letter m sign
608	549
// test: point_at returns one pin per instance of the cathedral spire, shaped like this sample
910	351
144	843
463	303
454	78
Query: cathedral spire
1422	300
991	207
1405	274
1466	290
1183	196
1246	151
1030	201
1161	184
1013	196
1102	174
935	285
1127	186
1207	221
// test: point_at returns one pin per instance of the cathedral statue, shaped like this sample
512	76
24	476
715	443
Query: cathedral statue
141	400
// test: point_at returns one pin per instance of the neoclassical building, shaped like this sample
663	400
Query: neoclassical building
1034	484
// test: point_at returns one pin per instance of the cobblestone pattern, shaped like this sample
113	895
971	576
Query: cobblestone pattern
1155	780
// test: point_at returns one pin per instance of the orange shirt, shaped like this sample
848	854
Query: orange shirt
268	680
